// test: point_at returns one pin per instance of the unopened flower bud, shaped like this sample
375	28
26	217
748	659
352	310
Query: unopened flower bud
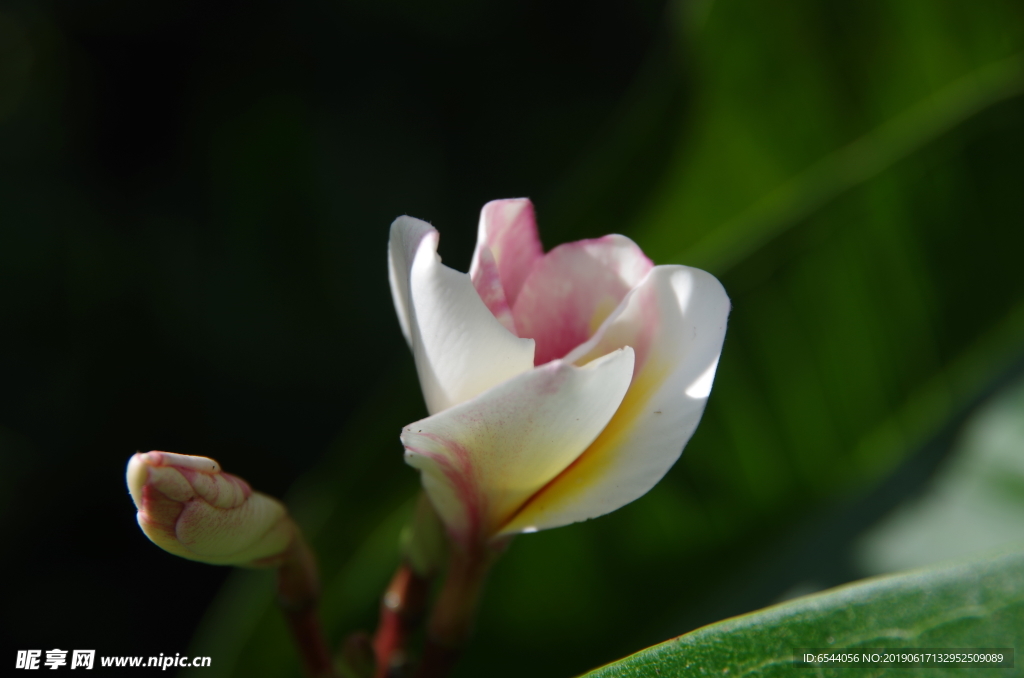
189	507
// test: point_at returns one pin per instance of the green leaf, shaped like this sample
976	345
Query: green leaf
856	163
979	604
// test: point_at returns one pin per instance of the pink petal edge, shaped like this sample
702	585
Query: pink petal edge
508	228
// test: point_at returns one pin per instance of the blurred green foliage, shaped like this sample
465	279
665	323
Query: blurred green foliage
852	171
974	503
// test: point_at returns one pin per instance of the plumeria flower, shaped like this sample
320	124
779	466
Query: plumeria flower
189	507
560	386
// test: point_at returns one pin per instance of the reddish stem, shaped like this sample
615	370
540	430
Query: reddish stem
401	611
309	639
298	591
452	618
438	661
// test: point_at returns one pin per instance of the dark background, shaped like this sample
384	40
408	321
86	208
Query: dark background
194	204
195	199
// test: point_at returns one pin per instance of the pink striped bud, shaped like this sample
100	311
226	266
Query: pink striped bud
189	507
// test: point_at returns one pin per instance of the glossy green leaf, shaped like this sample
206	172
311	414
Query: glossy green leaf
974	605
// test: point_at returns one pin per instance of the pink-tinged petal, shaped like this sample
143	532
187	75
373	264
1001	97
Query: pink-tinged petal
488	285
508	229
461	349
573	289
191	508
483	459
675	320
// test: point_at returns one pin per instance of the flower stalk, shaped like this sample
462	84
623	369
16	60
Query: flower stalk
453	615
404	604
298	596
402	610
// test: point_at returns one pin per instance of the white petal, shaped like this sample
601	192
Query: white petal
483	459
675	321
461	349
